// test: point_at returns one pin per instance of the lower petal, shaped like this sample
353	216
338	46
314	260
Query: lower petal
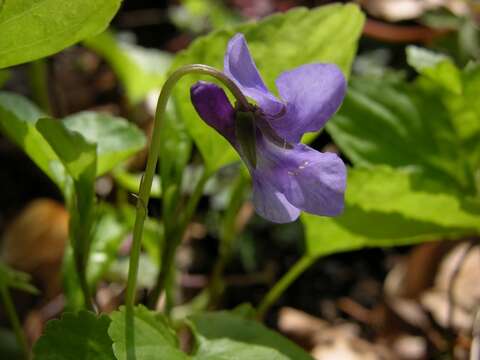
271	204
316	182
310	180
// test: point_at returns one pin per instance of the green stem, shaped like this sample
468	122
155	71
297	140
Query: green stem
80	266
14	320
81	227
273	295
194	199
38	76
153	154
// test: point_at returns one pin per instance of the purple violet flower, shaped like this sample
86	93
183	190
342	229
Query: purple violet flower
287	175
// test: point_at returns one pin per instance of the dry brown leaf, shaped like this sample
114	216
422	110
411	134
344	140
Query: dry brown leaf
35	242
466	289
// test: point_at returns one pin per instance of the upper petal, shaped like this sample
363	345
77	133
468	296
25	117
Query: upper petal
310	180
272	204
313	93
214	108
240	67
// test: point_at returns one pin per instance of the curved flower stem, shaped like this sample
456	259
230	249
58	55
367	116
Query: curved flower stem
279	288
153	154
14	320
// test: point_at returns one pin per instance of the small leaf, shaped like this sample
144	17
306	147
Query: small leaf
116	138
145	334
34	29
18	117
221	325
75	336
78	156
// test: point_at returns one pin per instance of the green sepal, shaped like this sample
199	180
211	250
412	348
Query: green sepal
245	132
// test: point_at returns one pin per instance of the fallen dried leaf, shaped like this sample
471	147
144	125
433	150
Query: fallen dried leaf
35	242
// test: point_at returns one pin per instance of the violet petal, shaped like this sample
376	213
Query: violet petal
214	108
271	204
240	67
310	180
313	93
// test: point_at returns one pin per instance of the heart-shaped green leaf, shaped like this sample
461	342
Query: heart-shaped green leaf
116	138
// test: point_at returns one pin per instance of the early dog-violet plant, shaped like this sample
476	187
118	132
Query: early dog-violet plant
288	177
